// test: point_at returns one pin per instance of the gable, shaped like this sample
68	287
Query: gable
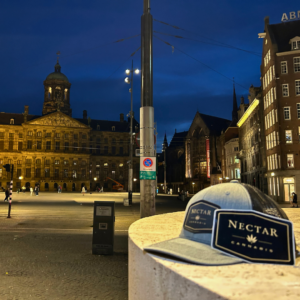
58	119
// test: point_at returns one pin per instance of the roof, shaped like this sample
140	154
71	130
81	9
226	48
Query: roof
106	125
58	76
18	118
282	33
178	139
215	124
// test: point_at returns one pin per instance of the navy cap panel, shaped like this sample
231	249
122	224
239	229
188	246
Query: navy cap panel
263	203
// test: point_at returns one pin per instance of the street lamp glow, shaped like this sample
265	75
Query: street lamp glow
127	80
127	71
134	179
193	182
95	178
21	177
136	71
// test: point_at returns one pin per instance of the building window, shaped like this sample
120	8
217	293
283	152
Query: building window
83	173
47	162
278	187
38	172
2	135
279	162
65	172
20	146
11	135
11	145
285	90
75	147
56	173
29	133
121	151
39	134
74	162
270	186
29	144
38	161
75	136
12	121
288	137
274	187
18	162
237	173
48	134
47	172
84	136
66	136
113	150
297	87
66	146
57	135
286	113
28	173
66	162
284	69
105	149
105	164
296	64
56	162
39	145
48	145
295	45
83	163
19	172
57	145
20	135
28	161
290	160
113	128
74	174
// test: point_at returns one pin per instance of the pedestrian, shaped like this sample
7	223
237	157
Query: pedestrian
23	188
36	190
294	201
83	190
101	191
31	191
6	194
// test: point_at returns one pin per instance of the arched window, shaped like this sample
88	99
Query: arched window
49	92
39	134
65	93
12	121
46	185
29	133
113	128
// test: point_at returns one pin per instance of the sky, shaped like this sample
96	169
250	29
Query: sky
196	74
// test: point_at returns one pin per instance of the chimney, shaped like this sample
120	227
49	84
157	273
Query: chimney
121	117
84	115
26	112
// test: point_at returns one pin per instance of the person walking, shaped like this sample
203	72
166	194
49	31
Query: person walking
83	190
36	190
294	201
6	195
31	191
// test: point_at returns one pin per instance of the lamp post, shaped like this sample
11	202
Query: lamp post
131	114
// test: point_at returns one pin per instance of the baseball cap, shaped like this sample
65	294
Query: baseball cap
194	242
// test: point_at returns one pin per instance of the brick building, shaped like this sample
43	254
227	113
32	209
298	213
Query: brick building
55	149
280	77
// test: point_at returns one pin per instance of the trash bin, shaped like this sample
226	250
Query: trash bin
103	227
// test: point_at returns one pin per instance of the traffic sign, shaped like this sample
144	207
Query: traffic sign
147	168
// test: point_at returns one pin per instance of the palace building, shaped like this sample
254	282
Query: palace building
55	149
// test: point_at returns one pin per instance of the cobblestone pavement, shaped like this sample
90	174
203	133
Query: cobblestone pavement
45	248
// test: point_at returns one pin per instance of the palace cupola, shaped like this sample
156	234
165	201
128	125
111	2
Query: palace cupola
57	92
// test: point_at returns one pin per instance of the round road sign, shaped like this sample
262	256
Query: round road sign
148	162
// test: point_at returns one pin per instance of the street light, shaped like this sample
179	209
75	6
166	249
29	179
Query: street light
130	170
193	187
95	178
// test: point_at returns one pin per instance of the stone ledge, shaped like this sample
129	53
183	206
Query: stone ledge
157	278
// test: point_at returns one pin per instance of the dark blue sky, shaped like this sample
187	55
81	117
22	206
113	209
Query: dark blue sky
31	32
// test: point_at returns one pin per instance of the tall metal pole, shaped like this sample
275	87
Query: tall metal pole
165	170
10	189
130	175
147	187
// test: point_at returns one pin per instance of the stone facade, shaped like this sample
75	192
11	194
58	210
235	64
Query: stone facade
56	149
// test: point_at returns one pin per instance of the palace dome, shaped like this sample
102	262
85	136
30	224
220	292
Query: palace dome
57	74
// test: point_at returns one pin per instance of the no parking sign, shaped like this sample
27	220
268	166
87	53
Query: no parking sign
147	168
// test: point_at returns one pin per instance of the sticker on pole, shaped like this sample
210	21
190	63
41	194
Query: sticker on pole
147	168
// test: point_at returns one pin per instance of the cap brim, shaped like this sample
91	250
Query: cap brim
193	252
